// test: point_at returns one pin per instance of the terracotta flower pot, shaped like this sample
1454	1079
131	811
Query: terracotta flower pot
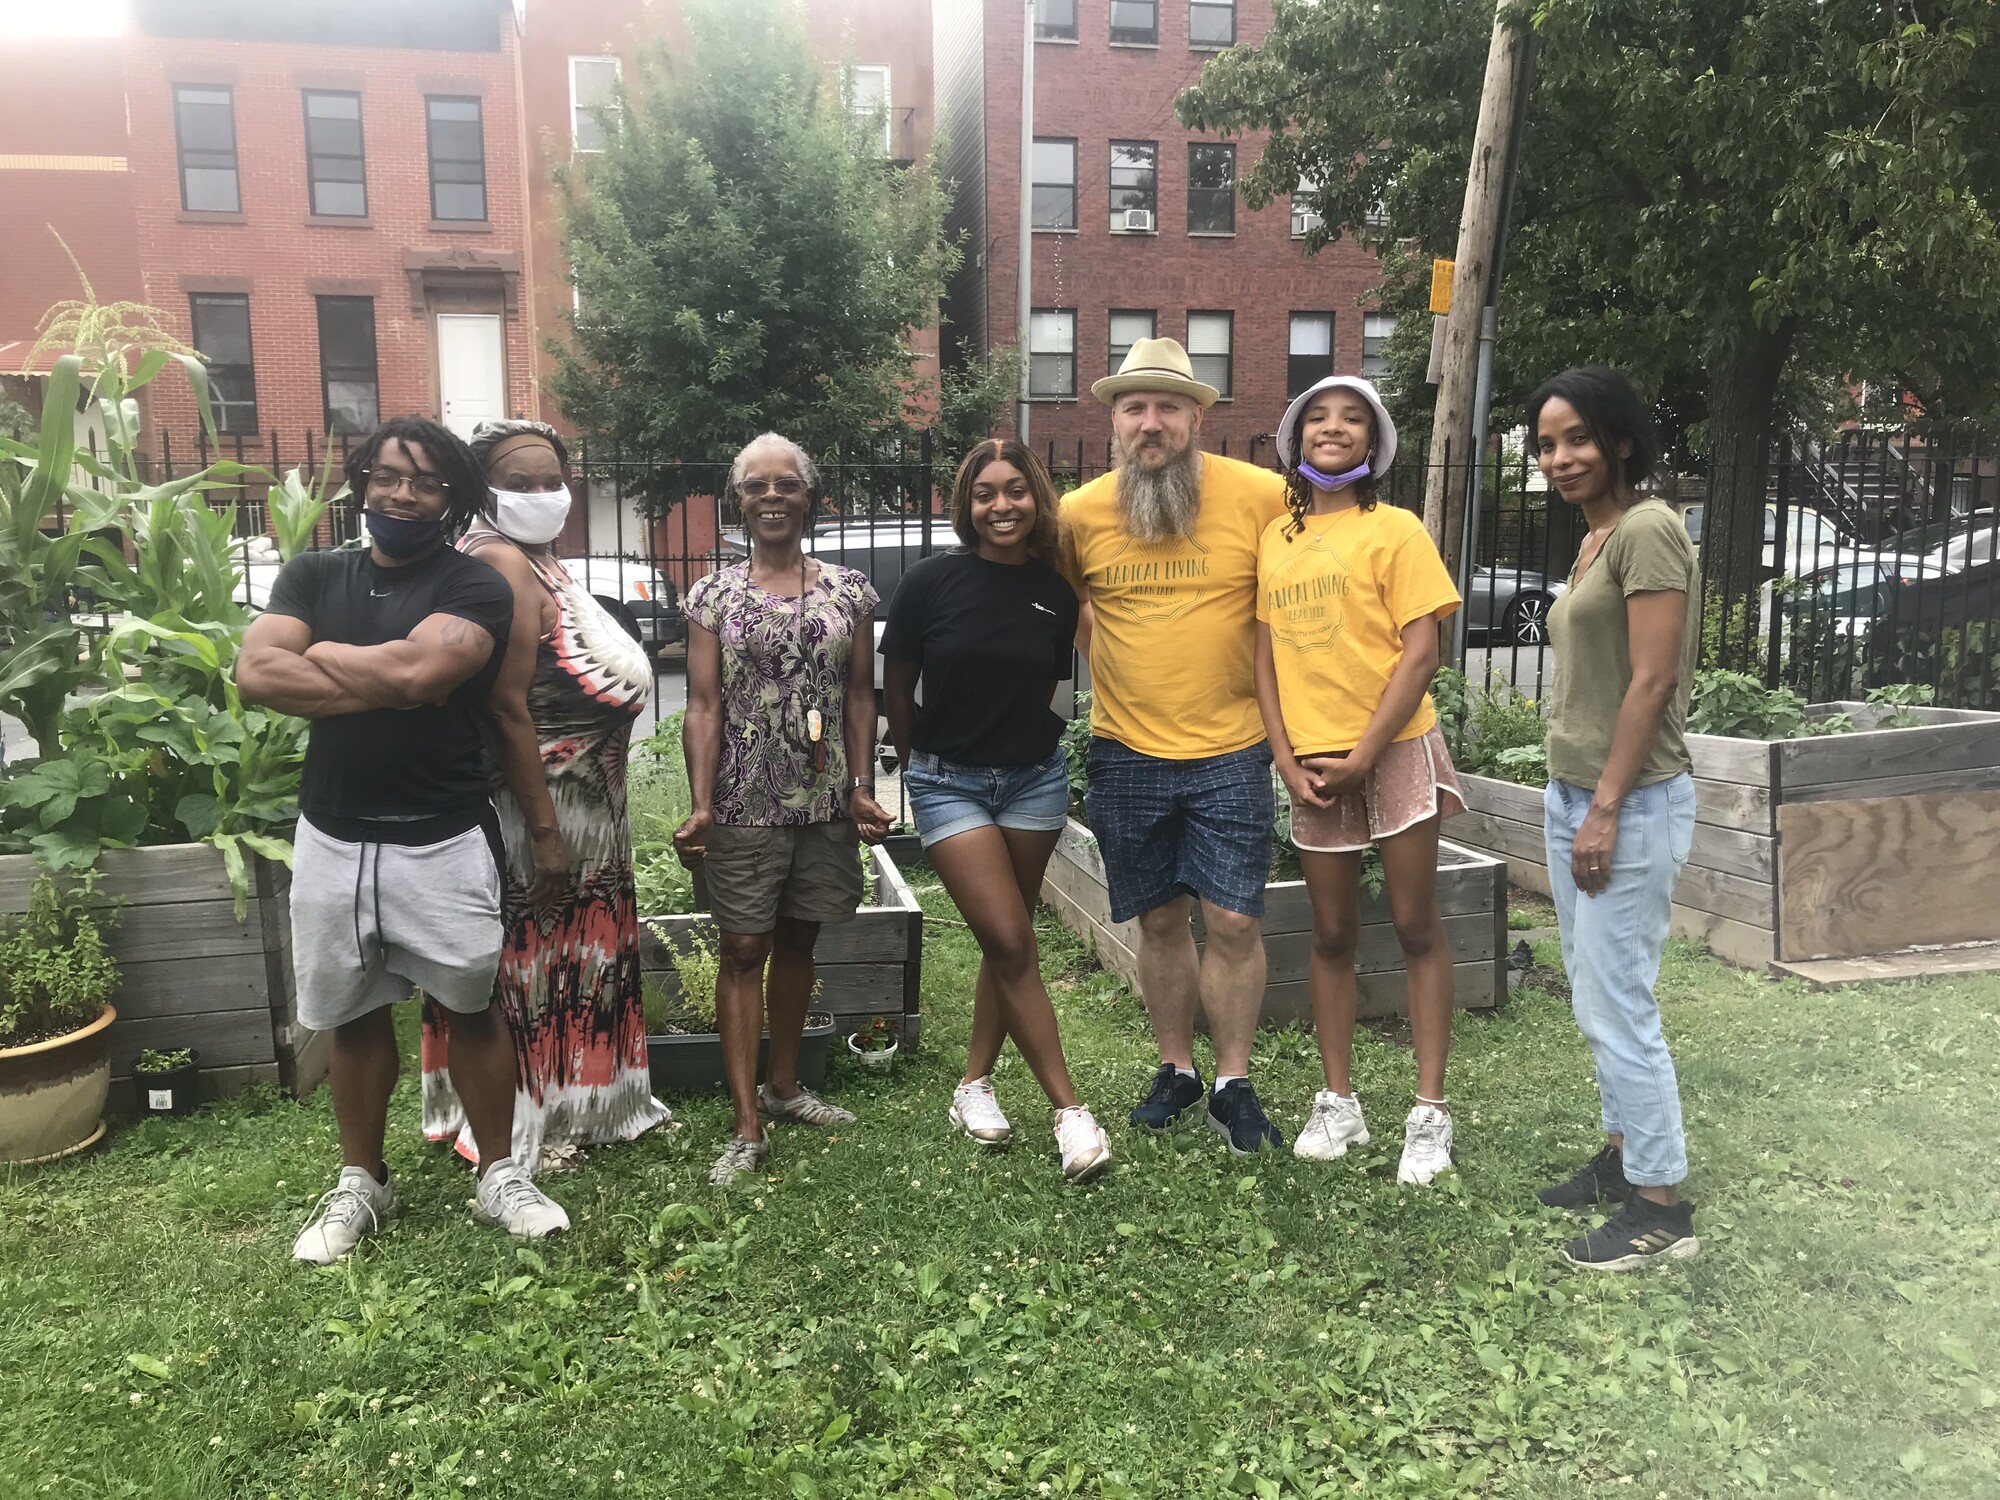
52	1094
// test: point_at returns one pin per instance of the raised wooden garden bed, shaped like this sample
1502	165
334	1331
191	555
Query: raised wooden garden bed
871	966
1472	890
193	975
1834	847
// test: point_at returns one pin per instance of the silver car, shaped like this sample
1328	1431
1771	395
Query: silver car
1512	603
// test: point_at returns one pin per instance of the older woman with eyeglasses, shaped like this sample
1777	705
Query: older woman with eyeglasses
560	721
779	738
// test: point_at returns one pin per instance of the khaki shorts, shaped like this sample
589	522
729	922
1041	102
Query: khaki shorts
756	875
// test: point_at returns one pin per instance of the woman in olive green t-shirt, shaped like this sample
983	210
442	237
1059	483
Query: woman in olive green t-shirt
1618	817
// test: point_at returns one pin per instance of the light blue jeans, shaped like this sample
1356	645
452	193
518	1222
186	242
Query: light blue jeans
1611	946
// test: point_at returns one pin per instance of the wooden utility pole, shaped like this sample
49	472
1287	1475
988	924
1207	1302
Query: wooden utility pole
1453	458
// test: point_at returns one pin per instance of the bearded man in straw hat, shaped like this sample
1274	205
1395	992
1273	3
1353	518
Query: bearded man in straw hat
1163	553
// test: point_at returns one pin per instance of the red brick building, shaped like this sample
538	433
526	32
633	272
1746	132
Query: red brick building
1138	229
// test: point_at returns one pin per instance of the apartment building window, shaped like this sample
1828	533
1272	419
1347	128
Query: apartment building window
1208	344
1135	186
1052	353
1305	218
1211	192
221	323
1311	356
336	175
348	379
593	87
1128	326
1055	21
1211	24
1135	23
868	95
205	128
1054	183
458	158
1375	331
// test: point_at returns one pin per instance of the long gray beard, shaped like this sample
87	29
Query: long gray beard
1161	505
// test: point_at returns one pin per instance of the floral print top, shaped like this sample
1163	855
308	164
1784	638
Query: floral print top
781	659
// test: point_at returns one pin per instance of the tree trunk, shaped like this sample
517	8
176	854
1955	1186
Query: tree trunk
1742	407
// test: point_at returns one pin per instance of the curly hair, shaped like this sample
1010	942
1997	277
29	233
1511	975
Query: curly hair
1044	540
451	460
1299	490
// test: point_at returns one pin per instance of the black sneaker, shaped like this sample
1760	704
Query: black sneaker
1239	1119
1172	1092
1602	1180
1639	1232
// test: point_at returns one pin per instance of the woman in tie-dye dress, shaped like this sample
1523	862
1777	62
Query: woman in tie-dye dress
569	689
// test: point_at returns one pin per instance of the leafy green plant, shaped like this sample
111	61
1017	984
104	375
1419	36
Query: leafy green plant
150	1061
1893	701
1449	696
1738	706
1527	764
1728	642
697	963
874	1035
657	801
1076	750
297	505
57	972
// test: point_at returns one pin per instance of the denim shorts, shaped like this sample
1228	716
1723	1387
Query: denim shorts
1173	827
947	798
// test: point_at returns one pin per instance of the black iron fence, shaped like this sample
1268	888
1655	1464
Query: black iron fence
1877	561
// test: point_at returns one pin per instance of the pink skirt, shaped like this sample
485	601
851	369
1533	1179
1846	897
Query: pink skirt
1413	780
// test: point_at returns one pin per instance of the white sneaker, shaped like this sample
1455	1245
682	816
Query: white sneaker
355	1206
1426	1145
975	1111
509	1198
1335	1124
1085	1150
737	1157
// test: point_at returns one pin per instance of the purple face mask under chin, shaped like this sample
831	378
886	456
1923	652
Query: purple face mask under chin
1321	481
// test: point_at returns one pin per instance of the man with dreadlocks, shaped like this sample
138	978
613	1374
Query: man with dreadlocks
1162	552
391	651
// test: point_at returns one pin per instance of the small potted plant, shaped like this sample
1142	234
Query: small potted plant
874	1044
167	1083
57	978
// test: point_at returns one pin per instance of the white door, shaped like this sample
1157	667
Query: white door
471	379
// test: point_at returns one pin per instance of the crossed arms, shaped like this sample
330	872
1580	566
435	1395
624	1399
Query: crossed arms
283	667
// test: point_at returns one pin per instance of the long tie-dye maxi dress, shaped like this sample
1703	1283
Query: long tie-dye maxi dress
569	978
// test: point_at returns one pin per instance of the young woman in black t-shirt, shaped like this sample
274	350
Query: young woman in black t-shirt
990	629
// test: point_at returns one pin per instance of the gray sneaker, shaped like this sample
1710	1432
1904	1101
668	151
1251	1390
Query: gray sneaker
803	1108
509	1198
353	1208
737	1157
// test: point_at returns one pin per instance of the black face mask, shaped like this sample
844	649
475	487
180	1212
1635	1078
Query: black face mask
401	538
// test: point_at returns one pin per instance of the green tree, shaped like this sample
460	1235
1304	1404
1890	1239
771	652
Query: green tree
1744	203
744	256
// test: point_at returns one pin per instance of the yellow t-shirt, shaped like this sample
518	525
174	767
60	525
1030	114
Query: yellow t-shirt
1337	597
1172	633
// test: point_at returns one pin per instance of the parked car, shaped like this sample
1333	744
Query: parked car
1848	598
1811	541
1512	602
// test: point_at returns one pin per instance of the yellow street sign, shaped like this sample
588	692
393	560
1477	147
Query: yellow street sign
1441	271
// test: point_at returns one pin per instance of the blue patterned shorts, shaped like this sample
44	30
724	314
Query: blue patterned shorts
1173	827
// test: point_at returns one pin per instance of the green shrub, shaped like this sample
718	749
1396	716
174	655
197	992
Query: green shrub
657	801
1076	749
56	971
697	965
1728	642
149	1061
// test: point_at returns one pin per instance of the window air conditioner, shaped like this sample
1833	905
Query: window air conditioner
1138	221
1304	222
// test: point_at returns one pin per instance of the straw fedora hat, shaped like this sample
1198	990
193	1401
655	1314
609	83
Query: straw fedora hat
1155	365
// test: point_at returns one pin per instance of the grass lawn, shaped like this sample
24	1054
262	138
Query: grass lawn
891	1312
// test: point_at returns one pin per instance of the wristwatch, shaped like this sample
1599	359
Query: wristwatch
858	783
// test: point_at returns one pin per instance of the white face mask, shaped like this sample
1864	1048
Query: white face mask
531	518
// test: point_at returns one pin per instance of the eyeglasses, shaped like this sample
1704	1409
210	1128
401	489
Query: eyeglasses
784	489
388	481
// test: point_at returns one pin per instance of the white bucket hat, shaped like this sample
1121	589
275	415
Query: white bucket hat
1385	425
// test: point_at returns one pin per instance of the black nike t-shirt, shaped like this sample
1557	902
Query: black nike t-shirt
400	764
989	638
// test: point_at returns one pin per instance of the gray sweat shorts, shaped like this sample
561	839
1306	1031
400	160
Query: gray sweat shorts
372	922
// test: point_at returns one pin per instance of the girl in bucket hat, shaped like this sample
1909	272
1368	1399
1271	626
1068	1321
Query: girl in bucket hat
1349	593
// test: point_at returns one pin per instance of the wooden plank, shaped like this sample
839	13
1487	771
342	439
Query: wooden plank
162	876
1931	750
1383	994
1104	942
1734	804
1911	784
1508	799
1886	873
1467	937
170	987
1888	968
1503	838
1725	895
1718	758
1733	851
1735	942
876	935
196	931
224	1037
